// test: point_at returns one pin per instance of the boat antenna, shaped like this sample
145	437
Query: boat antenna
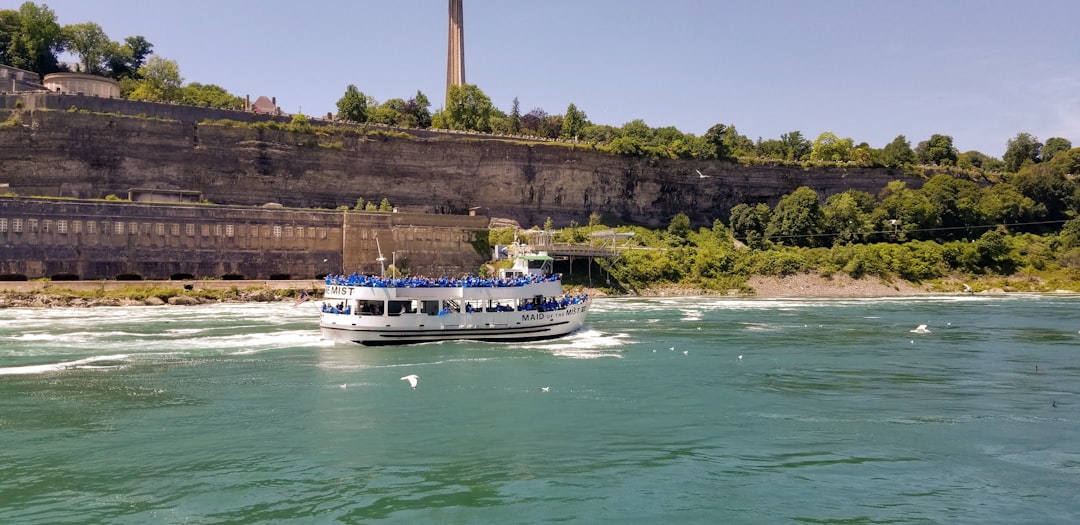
381	259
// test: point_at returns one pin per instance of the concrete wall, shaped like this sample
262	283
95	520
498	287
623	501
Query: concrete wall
106	240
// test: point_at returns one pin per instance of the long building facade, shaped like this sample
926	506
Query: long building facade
89	240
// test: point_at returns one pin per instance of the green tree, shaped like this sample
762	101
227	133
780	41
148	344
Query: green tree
515	117
352	106
417	111
1053	146
847	216
897	153
796	147
629	146
717	138
385	205
9	25
828	147
679	226
796	219
467	108
390	112
1051	183
160	81
90	43
1021	149
1003	203
955	203
36	41
749	222
904	212
573	122
209	95
938	150
124	60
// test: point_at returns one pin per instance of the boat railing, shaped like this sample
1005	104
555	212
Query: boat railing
364	281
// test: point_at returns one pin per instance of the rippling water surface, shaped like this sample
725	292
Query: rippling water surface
688	410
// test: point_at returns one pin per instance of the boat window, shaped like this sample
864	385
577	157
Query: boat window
370	308
401	307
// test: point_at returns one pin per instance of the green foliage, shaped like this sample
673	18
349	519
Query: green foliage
749	222
160	81
300	124
1070	233
209	95
1053	146
680	226
830	148
848	216
574	121
897	153
1024	148
90	43
938	150
467	109
797	218
33	38
384	205
352	106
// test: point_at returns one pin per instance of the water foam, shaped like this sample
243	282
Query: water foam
85	363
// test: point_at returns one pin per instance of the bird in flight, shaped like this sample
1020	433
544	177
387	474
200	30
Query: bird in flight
701	175
411	378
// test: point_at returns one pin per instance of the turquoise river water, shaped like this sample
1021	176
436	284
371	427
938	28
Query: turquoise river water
662	410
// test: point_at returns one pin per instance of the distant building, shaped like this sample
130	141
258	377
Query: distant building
264	105
15	80
82	84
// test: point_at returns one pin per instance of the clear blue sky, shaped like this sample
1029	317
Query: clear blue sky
978	70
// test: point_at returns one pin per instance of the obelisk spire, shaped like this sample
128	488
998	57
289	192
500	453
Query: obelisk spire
455	51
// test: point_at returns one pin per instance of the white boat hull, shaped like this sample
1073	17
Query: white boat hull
479	326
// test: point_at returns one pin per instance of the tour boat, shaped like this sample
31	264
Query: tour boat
524	303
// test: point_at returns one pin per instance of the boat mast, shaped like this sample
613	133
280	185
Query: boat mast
381	259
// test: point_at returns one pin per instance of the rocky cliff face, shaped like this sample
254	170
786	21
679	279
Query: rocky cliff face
91	155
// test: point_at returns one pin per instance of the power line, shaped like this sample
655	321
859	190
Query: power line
898	231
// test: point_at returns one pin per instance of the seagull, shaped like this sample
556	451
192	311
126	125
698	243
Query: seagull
344	385
411	378
921	329
740	356
685	352
545	389
701	175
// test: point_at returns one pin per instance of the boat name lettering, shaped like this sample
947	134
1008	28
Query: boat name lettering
339	290
537	316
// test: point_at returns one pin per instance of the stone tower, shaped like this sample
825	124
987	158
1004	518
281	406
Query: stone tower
455	50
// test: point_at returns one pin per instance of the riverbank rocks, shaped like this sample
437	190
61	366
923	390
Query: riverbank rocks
183	300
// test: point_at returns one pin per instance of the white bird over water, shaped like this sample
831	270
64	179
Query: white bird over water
921	329
701	175
545	389
411	378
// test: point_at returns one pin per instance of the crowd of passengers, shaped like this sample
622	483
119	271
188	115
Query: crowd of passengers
547	306
472	281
